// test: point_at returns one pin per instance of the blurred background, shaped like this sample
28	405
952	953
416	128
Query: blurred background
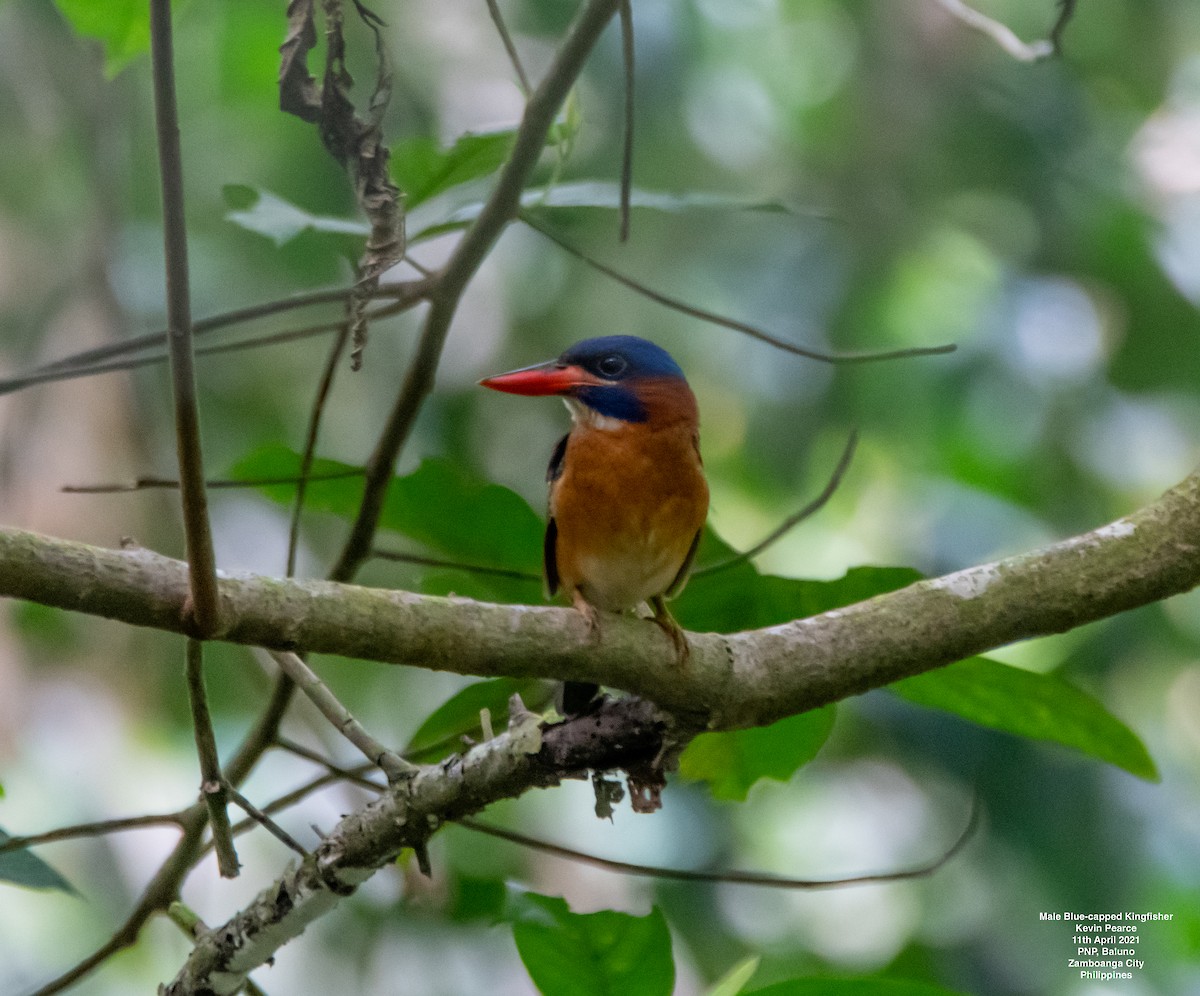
883	177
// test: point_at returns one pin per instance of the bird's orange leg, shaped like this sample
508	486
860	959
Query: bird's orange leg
587	610
666	621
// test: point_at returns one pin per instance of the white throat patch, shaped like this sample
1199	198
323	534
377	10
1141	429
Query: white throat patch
582	415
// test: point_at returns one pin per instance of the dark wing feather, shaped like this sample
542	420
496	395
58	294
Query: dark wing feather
554	471
549	557
681	578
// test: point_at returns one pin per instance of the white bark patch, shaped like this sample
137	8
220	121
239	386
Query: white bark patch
1116	530
971	583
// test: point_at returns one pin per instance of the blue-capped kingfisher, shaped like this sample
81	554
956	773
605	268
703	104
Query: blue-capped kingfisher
628	498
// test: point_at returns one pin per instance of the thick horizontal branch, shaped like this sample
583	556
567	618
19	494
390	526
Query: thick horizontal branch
747	678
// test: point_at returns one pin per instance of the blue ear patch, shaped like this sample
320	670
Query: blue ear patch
613	402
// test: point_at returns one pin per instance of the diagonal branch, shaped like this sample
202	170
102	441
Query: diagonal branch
447	286
744	679
524	757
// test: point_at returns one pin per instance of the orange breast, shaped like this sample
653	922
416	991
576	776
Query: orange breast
627	507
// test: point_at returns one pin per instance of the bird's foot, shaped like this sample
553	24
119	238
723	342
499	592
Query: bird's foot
666	622
589	612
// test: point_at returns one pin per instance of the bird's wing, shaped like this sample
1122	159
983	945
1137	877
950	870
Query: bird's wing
550	556
554	471
681	578
549	551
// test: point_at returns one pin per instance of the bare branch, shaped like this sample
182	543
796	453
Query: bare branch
317	692
748	678
454	565
524	757
627	61
793	520
89	362
264	820
732	877
151	483
675	304
310	437
506	38
1066	10
202	560
448	285
212	786
95	829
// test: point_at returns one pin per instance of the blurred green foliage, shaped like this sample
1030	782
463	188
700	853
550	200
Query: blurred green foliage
921	187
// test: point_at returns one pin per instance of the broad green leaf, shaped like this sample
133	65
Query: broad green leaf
26	869
740	598
854	987
474	898
460	713
423	169
736	979
1036	706
264	213
464	519
440	504
732	762
122	26
592	954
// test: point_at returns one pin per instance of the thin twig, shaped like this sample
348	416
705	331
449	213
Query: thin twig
509	47
1066	10
202	577
449	284
732	877
356	776
310	439
317	692
415	558
212	785
150	483
676	304
811	508
265	821
90	362
164	887
1001	34
95	829
627	63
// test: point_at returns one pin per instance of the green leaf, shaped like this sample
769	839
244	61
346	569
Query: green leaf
732	762
122	26
474	898
460	713
423	169
26	869
440	504
735	980
592	954
264	213
464	519
1036	706
854	987
740	598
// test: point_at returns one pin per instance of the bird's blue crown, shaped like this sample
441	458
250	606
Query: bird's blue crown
623	359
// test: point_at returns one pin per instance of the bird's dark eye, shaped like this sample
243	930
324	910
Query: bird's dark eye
612	366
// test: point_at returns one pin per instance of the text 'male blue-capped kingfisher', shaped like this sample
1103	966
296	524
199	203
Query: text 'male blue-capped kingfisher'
628	497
